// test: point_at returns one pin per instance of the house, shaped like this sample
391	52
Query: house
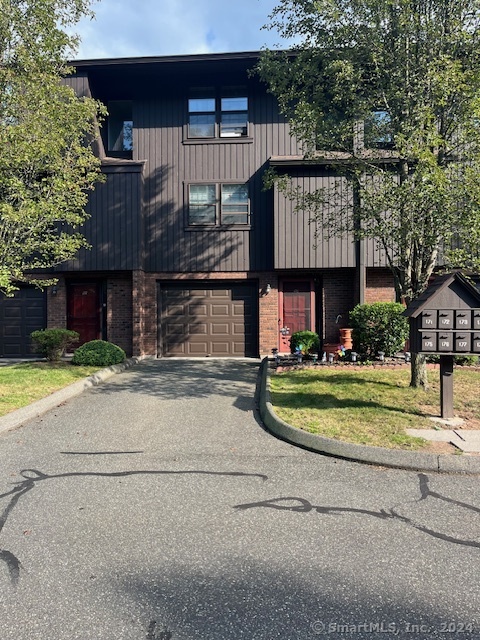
190	255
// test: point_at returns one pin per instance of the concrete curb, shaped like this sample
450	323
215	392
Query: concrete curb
360	453
20	416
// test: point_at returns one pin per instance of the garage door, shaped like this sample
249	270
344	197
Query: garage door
217	320
19	316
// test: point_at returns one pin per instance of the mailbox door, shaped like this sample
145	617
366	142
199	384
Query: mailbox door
462	342
429	319
476	319
445	341
445	319
476	343
429	341
463	319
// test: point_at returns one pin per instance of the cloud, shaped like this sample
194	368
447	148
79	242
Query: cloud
128	28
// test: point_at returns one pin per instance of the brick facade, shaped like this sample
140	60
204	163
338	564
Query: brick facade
119	313
380	287
338	300
131	303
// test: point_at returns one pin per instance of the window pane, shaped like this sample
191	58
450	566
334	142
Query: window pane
234	125
234	104
202	126
201	105
235	208
202	194
120	126
201	214
233	194
232	218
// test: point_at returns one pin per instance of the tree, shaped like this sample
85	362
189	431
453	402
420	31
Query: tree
393	88
46	162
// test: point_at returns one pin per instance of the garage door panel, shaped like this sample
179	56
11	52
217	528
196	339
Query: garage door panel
198	311
198	329
220	320
221	310
220	329
198	349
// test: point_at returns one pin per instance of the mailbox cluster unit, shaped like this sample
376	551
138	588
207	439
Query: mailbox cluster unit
450	331
446	318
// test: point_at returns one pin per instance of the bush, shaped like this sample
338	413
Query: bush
462	361
98	353
380	326
52	343
306	341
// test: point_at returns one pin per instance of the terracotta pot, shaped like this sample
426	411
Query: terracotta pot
346	338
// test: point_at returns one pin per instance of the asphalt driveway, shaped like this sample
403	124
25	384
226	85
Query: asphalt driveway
157	507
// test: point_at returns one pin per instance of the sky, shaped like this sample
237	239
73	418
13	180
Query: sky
129	28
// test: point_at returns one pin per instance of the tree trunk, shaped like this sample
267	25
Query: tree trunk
418	371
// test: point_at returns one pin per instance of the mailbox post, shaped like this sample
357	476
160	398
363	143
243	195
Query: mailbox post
445	320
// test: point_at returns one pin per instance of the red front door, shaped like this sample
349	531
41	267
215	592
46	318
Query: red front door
84	311
297	310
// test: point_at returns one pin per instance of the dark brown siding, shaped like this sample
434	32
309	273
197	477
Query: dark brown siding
79	83
114	229
172	163
301	244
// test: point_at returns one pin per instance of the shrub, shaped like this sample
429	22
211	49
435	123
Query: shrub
306	341
380	326
98	353
462	361
52	343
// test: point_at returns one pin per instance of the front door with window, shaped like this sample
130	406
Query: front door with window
84	311
297	310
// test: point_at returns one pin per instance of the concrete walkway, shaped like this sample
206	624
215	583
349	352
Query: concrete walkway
467	440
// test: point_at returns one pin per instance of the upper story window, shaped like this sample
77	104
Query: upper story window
217	204
378	129
120	128
218	114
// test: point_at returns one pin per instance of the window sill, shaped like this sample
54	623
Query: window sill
225	227
239	140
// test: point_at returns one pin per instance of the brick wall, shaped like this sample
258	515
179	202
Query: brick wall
119	313
380	286
338	300
57	305
268	313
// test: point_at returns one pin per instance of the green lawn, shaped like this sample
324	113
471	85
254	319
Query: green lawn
21	384
367	405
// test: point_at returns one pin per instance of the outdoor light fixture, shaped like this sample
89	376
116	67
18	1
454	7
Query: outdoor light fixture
381	356
407	356
54	291
268	288
353	356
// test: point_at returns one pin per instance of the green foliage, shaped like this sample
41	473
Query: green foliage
52	343
47	165
379	327
98	353
306	341
410	179
462	361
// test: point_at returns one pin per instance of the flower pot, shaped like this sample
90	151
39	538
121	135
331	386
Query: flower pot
346	338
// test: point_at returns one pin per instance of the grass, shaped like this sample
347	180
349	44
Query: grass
370	406
21	384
